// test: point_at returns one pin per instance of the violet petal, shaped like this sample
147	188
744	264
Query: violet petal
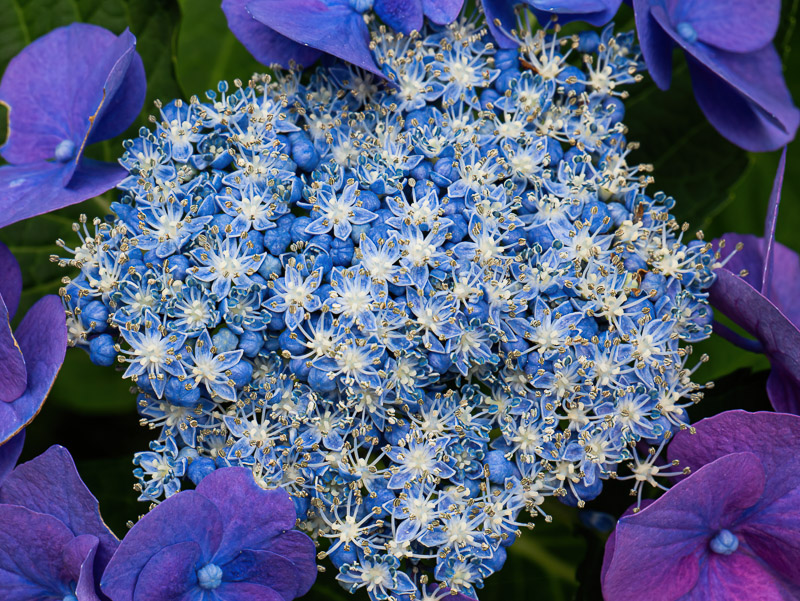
735	576
50	484
10	280
655	44
253	516
79	556
62	64
400	15
170	574
13	374
266	45
42	336
657	552
770	224
594	12
37	188
9	453
298	548
442	12
783	391
31	554
737	299
733	25
246	591
267	569
332	28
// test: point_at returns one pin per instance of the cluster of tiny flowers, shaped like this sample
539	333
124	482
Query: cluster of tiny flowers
420	307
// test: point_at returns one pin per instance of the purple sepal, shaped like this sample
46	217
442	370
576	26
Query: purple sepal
13	375
743	95
442	12
50	484
42	337
502	11
10	280
334	28
41	559
594	12
655	43
228	521
400	15
9	453
64	65
771	528
37	188
266	45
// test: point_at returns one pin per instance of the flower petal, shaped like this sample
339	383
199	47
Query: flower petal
594	12
170	574
779	337
79	556
42	336
332	28
253	516
31	554
61	65
13	374
744	96
266	45
267	569
298	548
442	12
185	517
655	44
783	391
503	11
37	188
50	484
9	453
657	552
400	15
733	25
735	576
246	591
10	280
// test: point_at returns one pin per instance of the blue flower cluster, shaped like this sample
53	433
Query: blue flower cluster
420	308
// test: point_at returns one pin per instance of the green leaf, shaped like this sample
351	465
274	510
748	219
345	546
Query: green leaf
207	51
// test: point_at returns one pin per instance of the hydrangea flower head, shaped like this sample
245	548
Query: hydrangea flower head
419	308
47	135
31	355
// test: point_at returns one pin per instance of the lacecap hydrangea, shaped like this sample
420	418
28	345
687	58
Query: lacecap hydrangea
421	307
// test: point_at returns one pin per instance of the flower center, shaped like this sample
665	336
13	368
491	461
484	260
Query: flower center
724	543
687	32
65	151
209	576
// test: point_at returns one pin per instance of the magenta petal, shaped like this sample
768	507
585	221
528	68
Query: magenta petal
31	554
266	45
656	45
10	280
246	591
442	12
50	484
332	28
185	517
784	281
750	258
9	453
735	576
53	90
42	336
170	574
733	25
34	189
253	516
779	337
657	552
13	374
